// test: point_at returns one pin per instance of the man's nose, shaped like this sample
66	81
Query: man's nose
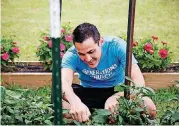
87	58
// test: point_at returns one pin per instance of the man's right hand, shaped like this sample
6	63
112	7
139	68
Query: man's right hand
79	111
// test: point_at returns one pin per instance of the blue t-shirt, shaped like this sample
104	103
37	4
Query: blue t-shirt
109	72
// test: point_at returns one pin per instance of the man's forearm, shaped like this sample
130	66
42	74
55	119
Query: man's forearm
69	95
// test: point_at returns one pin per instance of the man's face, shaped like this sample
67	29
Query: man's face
89	51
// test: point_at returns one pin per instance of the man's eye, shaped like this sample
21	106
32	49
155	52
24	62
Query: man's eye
91	52
81	54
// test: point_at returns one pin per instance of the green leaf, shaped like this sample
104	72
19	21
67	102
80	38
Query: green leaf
10	110
13	94
120	120
139	109
48	122
101	119
175	116
19	118
28	121
129	79
65	111
102	112
38	119
3	92
118	88
76	122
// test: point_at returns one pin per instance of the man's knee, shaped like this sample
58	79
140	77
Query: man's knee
151	108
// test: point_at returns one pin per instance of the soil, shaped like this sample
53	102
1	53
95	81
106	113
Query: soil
32	68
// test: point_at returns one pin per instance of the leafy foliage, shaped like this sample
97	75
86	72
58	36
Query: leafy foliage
32	107
25	107
44	50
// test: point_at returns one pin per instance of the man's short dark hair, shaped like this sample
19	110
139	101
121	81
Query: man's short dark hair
85	31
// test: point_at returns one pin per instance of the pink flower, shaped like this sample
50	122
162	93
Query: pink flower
50	44
69	38
15	50
148	46
45	38
61	54
63	31
62	47
5	56
163	53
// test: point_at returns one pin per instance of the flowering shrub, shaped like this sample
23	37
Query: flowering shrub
152	55
9	51
44	50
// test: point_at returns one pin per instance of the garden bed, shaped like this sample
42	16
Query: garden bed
32	74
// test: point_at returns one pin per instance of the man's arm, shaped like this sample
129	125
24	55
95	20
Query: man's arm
136	76
78	110
67	78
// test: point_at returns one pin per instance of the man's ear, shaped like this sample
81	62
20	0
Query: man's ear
101	41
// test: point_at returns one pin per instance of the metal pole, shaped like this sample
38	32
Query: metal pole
130	31
55	18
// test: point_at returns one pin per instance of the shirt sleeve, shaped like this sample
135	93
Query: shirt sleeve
120	51
69	60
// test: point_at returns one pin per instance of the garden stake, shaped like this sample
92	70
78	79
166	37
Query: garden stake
55	16
130	31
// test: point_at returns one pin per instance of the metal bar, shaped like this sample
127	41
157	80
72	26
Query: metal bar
130	31
55	21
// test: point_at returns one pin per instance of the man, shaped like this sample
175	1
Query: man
100	63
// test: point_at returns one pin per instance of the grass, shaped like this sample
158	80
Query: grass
26	19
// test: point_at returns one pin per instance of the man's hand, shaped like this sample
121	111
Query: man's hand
79	111
112	104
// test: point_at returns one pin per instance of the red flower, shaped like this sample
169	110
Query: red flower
69	38
14	43
155	37
5	56
163	53
62	47
164	43
61	54
134	44
50	44
148	47
15	50
63	31
45	38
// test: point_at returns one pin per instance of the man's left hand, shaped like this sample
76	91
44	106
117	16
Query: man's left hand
112	104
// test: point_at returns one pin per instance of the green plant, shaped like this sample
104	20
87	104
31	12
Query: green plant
44	50
151	55
9	51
